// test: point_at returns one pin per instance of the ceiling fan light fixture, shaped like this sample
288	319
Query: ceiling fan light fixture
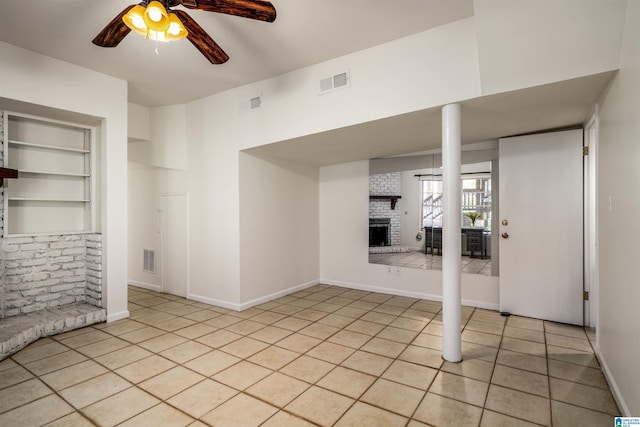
155	20
156	17
176	30
157	36
134	19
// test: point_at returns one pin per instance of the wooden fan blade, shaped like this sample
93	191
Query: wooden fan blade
114	32
201	40
253	9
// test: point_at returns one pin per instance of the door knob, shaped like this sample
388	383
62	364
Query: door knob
505	235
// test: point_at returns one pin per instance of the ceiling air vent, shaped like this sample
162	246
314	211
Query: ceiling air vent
335	82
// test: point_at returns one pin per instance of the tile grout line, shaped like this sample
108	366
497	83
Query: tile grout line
546	354
372	337
404	309
55	392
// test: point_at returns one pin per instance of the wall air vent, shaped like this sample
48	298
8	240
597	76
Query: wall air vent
255	102
251	103
149	261
335	82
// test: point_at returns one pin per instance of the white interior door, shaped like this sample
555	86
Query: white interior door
541	245
174	244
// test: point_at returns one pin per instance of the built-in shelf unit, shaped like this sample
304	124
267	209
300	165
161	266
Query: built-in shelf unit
54	191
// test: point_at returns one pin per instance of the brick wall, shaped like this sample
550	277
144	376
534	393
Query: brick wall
49	271
39	272
387	184
93	294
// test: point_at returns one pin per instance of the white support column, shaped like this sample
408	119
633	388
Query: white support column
451	234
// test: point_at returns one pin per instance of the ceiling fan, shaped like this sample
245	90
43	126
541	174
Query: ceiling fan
147	18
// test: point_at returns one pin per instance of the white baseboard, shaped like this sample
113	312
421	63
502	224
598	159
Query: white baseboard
615	390
112	317
410	294
481	304
243	306
145	285
213	301
369	288
278	294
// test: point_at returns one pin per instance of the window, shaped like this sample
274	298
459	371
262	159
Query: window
476	197
432	202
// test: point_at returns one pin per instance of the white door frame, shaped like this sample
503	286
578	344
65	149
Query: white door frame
162	276
591	219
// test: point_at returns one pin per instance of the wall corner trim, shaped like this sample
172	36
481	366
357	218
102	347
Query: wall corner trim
615	390
254	302
145	285
266	298
112	317
213	301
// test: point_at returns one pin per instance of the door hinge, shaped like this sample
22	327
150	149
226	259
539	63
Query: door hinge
586	295
585	151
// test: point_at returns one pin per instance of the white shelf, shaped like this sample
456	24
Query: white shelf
49	199
48	147
77	175
57	185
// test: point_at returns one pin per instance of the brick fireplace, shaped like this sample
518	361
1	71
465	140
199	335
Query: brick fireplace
48	283
383	208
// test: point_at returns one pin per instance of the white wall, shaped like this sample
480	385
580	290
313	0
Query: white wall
528	43
168	137
144	200
214	188
413	73
344	234
33	78
146	185
157	152
217	130
138	123
425	70
158	136
283	252
618	178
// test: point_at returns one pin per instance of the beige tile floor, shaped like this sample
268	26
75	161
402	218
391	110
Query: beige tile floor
325	356
418	259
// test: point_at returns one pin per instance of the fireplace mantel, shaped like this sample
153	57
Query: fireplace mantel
7	173
394	199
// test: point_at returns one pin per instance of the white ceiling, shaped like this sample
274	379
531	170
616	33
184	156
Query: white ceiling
305	32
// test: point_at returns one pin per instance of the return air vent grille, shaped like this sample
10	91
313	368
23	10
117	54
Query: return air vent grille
255	102
335	82
149	262
250	104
